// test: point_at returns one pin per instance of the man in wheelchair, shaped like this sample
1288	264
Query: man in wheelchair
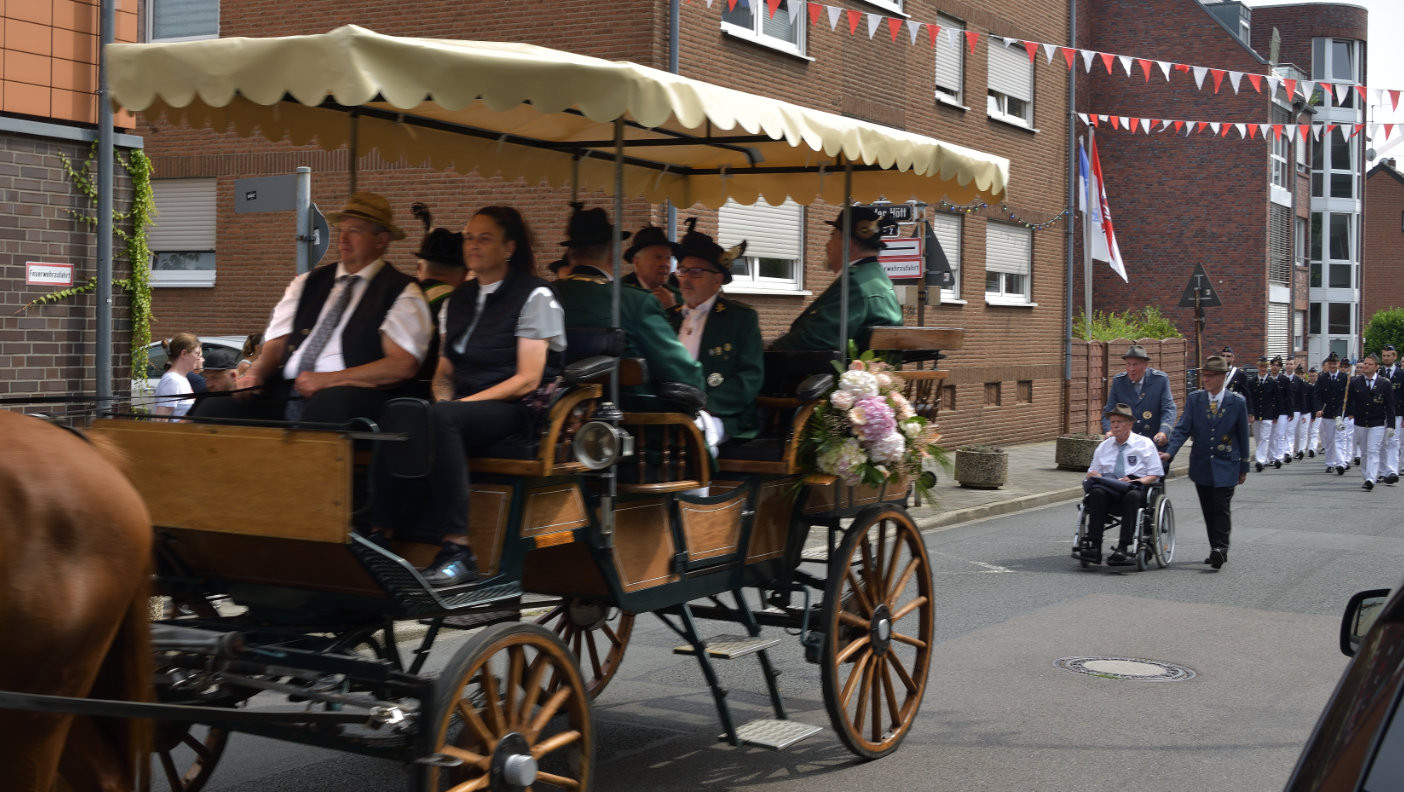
1123	466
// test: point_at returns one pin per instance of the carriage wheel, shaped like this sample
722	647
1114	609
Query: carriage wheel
187	753
879	620
511	707
1164	533
597	634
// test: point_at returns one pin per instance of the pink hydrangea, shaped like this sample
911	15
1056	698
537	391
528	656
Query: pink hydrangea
872	418
888	449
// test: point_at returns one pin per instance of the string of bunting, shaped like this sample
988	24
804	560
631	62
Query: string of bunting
873	22
1004	210
1245	131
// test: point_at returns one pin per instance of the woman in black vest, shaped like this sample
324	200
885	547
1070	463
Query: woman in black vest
503	338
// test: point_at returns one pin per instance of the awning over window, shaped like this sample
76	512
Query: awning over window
521	111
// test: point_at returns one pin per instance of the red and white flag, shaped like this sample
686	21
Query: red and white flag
1092	199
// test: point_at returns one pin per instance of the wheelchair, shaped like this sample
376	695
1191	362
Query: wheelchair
1155	534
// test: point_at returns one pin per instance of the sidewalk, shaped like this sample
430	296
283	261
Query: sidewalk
1033	481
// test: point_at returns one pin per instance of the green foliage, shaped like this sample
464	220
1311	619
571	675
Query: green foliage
1384	328
1145	323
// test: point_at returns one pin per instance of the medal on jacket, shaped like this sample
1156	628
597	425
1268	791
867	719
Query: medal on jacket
714	379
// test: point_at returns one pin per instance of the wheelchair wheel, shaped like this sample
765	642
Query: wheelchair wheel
1081	536
1163	533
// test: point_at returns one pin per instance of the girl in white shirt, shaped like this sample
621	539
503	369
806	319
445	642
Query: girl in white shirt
185	355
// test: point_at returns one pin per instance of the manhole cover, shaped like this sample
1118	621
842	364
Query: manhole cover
1134	668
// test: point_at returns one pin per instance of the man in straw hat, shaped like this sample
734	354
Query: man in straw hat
1130	460
346	335
1147	391
1216	419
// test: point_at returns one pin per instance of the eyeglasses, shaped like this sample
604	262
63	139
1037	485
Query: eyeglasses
696	272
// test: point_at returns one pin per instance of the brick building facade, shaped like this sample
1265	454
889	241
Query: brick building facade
48	113
1383	261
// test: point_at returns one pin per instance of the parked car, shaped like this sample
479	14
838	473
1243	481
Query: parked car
144	390
1358	745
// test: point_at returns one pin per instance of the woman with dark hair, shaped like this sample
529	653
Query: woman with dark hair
502	339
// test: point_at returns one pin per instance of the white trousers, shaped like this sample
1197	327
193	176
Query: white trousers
1262	435
1330	444
1303	433
1370	440
1314	436
1348	446
1282	430
1389	455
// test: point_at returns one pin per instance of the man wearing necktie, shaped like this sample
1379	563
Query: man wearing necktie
1394	375
344	336
1216	419
1146	391
1330	398
1123	457
1370	401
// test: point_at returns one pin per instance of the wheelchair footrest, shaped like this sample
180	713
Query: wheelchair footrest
774	734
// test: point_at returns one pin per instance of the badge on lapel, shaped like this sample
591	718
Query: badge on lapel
714	379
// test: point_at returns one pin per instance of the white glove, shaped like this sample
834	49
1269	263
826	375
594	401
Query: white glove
1340	424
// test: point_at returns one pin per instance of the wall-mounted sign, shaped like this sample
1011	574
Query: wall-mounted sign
902	258
43	273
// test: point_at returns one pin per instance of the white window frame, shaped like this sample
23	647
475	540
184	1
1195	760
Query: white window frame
756	33
185	223
151	12
1008	255
950	54
947	229
1299	255
894	6
771	232
1011	81
1281	153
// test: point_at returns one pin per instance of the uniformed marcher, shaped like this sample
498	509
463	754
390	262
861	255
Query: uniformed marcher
1346	429
721	334
1216	420
1147	391
1282	426
1302	414
651	255
871	299
1370	401
1330	398
1123	458
1265	409
1237	381
1314	434
1390	370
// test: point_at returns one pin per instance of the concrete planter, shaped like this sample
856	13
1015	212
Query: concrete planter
1074	452
981	468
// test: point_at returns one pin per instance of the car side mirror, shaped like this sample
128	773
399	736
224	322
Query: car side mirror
1360	615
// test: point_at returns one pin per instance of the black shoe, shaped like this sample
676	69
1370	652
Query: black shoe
1286	459
1356	461
1368	485
1092	555
1120	557
1300	455
1217	557
1311	454
1340	471
453	566
1277	465
1392	478
1258	466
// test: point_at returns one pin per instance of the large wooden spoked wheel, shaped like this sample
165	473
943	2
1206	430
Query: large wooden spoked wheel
878	622
597	634
185	754
511	707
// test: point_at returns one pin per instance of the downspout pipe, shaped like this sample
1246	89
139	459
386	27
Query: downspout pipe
674	23
1071	226
102	358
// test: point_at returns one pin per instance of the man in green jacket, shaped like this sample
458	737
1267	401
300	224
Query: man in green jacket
724	336
585	293
871	300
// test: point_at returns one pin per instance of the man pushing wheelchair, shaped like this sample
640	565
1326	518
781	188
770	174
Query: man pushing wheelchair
1124	465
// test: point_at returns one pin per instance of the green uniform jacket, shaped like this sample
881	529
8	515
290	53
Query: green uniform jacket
871	303
733	363
585	297
671	284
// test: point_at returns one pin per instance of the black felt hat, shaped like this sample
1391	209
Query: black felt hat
647	237
699	245
588	227
867	226
440	245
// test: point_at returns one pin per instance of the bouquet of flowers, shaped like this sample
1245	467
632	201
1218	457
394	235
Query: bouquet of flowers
866	431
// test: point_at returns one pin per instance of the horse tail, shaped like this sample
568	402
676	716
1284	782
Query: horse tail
126	675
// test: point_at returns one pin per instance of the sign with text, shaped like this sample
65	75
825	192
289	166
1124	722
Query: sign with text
897	213
903	258
265	194
43	273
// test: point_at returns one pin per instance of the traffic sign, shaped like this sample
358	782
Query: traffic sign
902	258
1199	286
897	213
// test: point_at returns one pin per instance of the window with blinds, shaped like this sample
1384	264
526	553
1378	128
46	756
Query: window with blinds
774	243
780	30
946	228
1010	84
1279	329
1280	227
1008	263
182	240
950	60
176	20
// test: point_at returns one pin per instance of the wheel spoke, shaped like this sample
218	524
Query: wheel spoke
554	743
471	720
875	682
845	617
880	559
557	780
173	776
516	659
890	697
857	644
479	761
610	634
865	689
596	667
492	702
854	678
902	673
473	784
533	690
190	741
916	602
856	586
890	594
909	640
548	710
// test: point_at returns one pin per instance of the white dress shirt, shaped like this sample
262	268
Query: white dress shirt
693	323
407	323
1142	457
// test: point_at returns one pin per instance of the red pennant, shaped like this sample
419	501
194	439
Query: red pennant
894	24
1218	78
1179	125
1200	125
731	5
1031	47
1291	86
1252	130
1360	89
1277	131
971	37
1394	99
1327	88
814	11
1107	60
1180	67
1145	67
853	21
1330	128
1070	55
1223	131
1156	124
1257	81
932	30
1114	122
771	5
1094	120
1388	128
1358	129
1304	129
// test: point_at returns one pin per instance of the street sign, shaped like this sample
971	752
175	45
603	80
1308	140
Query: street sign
265	194
44	273
897	213
321	234
1199	285
938	267
903	257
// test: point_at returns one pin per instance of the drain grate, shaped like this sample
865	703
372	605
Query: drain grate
1133	668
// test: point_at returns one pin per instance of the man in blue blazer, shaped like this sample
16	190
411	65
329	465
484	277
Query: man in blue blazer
1147	391
1217	420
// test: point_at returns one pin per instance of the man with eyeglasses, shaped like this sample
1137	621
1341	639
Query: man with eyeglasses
723	335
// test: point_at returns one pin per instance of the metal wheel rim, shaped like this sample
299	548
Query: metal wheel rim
872	693
1165	533
598	646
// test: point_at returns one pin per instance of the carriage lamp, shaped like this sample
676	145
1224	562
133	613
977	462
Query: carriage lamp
599	444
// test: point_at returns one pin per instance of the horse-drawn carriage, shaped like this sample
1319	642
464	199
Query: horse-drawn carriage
606	516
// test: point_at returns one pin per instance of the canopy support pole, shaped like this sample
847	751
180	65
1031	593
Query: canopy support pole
354	151
616	248
102	358
846	213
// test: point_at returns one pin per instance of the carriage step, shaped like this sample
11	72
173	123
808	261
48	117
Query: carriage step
819	554
731	647
774	734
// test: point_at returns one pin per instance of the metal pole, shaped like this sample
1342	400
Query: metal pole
103	353
674	45
304	220
1087	261
847	213
1072	209
355	147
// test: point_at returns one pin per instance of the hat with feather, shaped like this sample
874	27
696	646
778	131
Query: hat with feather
440	245
698	245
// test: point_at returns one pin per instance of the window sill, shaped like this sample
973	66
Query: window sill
734	288
953	301
894	8
160	281
1009	302
784	48
1014	121
950	102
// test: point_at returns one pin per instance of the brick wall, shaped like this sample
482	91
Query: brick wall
1096	362
50	349
1383	257
50	58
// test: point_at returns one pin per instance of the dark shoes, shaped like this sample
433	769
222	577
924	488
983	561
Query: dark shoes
1092	555
453	566
1367	486
1258	466
1357	461
1120	557
1286	459
378	538
1277	465
1217	557
1311	453
1392	478
1340	471
1300	455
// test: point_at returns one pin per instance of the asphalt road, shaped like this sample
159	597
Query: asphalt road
1260	637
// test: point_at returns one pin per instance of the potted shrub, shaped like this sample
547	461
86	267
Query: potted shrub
1074	451
981	467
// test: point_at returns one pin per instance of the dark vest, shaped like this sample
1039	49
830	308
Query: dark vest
491	354
435	292
360	339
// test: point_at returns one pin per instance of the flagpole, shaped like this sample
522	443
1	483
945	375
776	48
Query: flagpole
1087	251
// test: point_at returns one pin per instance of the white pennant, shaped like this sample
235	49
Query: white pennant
1289	131
1242	130
1146	125
1125	122
1216	126
1102	119
1374	131
1316	131
1165	124
1085	120
873	21
913	27
1125	63
1234	79
1342	91
834	12
1379	94
1199	72
1164	69
1087	56
1049	50
796	11
952	36
1306	87
1007	41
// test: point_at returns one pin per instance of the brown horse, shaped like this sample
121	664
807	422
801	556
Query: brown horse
75	560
